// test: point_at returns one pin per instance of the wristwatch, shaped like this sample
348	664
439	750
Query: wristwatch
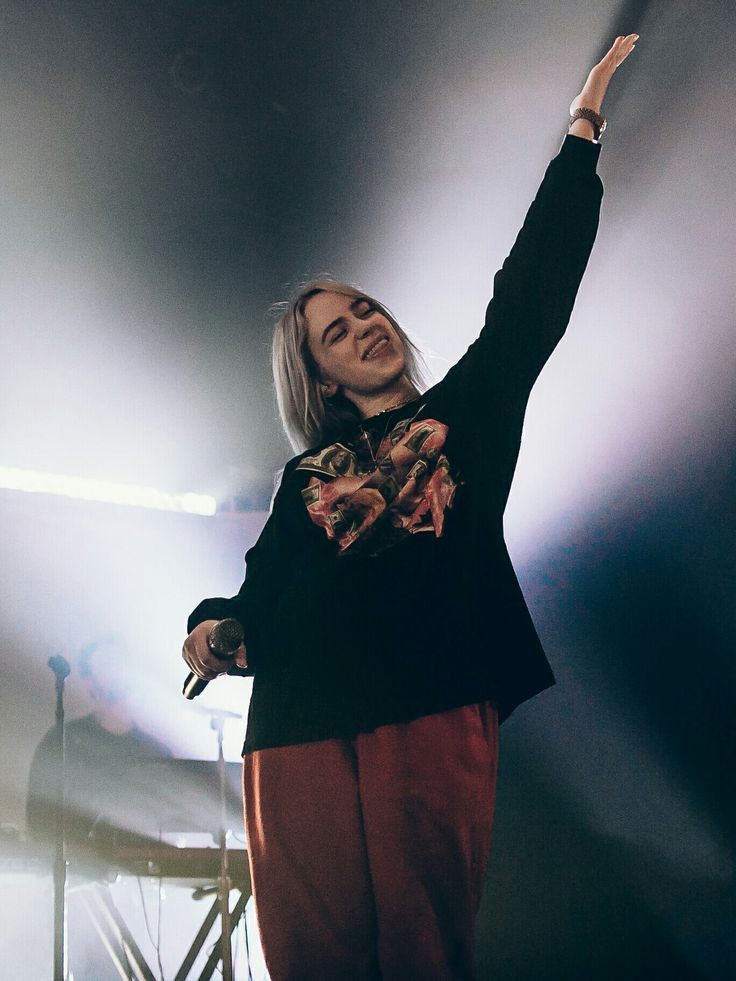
599	123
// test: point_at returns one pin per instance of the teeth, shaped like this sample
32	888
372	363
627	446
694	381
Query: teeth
376	346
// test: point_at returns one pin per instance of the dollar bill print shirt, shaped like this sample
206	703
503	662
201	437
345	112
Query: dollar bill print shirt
380	588
367	497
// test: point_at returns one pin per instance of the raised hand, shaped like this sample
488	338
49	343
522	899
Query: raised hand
592	93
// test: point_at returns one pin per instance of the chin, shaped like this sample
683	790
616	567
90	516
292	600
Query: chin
377	377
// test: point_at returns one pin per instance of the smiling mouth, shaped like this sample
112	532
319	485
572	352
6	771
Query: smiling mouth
376	347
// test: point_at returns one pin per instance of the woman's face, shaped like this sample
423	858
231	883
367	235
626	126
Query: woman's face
354	346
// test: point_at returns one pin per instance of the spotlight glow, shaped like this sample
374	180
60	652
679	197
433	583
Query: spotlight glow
86	489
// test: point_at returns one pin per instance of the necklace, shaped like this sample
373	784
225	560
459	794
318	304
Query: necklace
377	464
397	405
367	438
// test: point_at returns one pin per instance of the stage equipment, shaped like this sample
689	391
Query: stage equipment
199	868
60	666
172	797
171	778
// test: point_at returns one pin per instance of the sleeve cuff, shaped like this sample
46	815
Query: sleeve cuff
209	609
580	152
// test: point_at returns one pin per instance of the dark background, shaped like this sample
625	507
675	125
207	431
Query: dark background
169	170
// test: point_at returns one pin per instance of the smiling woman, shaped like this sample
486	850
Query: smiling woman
384	626
311	356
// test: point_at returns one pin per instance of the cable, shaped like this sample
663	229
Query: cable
158	927
209	951
156	946
236	945
158	923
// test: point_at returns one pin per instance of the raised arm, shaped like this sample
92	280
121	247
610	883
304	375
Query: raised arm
535	290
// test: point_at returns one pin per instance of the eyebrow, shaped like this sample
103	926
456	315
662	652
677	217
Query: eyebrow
340	320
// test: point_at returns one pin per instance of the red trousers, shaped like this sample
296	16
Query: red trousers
368	856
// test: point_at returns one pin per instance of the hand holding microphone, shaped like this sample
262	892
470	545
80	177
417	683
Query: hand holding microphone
210	650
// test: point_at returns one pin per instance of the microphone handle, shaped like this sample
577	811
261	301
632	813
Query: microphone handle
223	641
193	686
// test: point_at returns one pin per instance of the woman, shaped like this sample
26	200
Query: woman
384	625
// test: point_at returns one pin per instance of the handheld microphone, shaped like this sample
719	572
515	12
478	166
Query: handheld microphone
224	639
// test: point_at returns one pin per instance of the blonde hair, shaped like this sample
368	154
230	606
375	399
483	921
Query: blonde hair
308	418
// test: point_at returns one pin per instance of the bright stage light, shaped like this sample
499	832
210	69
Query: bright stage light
86	489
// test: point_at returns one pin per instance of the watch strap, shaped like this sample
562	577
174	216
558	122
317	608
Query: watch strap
599	123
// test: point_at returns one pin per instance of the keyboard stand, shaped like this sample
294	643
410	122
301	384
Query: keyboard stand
124	952
112	930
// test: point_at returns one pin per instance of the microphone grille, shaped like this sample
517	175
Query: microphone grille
225	637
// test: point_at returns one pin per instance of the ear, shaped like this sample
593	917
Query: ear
328	389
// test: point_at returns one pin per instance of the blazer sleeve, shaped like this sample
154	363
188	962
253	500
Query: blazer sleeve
266	565
535	289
